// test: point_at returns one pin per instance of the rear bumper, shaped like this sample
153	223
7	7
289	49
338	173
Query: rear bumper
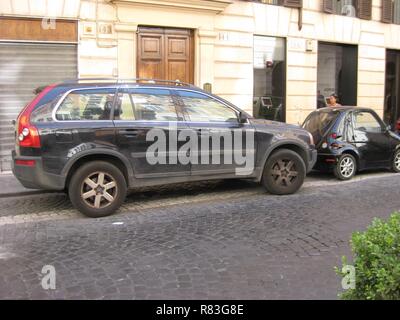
34	177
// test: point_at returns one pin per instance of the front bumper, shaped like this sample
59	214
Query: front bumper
312	159
326	161
34	177
328	158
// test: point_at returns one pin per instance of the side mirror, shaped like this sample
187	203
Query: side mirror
242	117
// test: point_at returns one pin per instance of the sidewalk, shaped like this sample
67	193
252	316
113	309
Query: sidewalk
11	187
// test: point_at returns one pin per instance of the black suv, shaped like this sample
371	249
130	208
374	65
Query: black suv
97	138
351	139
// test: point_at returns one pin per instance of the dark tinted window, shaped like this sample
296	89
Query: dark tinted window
317	123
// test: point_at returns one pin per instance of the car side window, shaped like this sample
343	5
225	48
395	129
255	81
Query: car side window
365	121
202	108
145	104
43	113
91	104
124	107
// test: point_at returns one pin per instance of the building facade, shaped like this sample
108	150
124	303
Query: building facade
277	59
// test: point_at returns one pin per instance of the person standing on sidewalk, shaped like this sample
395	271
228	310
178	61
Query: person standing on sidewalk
333	101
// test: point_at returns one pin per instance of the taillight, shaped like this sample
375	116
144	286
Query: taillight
28	163
27	134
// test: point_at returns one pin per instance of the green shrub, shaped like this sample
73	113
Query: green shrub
376	261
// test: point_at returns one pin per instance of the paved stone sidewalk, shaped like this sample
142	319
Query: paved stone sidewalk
10	186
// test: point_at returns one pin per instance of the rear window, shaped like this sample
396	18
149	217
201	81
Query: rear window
43	113
43	109
317	123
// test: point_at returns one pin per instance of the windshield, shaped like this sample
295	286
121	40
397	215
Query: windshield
317	123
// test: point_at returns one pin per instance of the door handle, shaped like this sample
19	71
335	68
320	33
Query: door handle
130	132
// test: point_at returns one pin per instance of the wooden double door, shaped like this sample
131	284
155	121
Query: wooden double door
165	53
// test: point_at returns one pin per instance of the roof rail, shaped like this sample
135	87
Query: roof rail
136	80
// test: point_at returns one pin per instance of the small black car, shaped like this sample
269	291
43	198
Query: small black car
351	139
97	138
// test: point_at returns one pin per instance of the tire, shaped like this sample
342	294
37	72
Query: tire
284	172
101	199
346	167
396	161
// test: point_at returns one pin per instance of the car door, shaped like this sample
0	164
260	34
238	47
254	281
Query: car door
83	121
224	146
371	138
147	126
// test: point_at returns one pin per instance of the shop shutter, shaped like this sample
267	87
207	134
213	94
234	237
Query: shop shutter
387	11
327	6
25	67
292	3
365	9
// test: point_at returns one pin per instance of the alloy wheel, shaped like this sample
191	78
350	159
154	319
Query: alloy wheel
99	190
347	167
397	161
284	172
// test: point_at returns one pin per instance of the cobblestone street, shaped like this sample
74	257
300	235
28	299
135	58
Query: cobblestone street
216	240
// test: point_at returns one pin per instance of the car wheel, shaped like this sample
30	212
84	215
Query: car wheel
396	162
346	167
97	189
284	172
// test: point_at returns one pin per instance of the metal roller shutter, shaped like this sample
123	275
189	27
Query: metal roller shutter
24	67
